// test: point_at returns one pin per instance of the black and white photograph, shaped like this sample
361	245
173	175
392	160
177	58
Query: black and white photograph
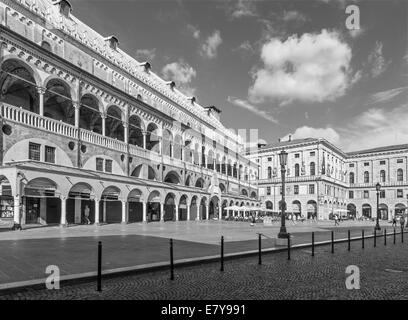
203	154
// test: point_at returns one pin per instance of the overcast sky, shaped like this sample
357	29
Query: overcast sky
284	67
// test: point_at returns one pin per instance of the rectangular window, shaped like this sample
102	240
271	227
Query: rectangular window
297	155
311	189
34	151
351	194
49	154
108	165
296	189
400	193
400	160
351	165
312	153
99	164
382	162
382	194
268	191
280	189
269	159
366	195
366	164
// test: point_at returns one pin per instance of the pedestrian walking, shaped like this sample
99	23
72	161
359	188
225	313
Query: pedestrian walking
86	213
394	221
336	220
402	222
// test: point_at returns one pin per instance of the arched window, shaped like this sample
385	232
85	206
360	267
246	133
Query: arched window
296	170
382	176
269	172
366	177
312	168
400	175
351	177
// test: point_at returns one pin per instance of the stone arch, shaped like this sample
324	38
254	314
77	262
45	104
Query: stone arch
172	177
203	208
253	195
200	183
167	141
136	129
188	181
135	205
18	85
366	210
152	137
194	207
182	210
113	123
80	197
58	101
296	208
89	113
244	192
170	207
311	209
188	154
153	206
222	188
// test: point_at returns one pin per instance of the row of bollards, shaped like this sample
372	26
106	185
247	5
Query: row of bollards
99	270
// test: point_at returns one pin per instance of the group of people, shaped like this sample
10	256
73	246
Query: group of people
401	221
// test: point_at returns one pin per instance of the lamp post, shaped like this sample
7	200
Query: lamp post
378	187
283	157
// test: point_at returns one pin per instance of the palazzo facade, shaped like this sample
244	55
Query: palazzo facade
85	127
321	179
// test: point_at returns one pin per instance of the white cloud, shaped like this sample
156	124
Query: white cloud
182	74
376	60
387	95
195	32
242	8
209	48
312	68
293	15
145	54
246	105
308	132
373	128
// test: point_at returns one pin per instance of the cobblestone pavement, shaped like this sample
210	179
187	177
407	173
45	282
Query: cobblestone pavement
27	258
383	271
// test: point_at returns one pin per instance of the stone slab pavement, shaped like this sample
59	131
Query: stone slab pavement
26	254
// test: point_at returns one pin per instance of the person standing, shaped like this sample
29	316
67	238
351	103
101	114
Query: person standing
86	213
336	220
402	222
394	221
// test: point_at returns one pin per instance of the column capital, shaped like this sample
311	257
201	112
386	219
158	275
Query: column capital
41	90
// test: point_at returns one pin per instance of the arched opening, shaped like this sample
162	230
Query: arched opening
172	177
383	208
213	208
151	174
269	205
224	212
80	201
138	171
188	155
244	192
167	143
152	138
366	210
297	208
182	214
311	209
135	131
113	123
399	209
352	210
188	181
153	206
58	102
196	154
222	188
135	206
110	206
193	208
199	183
177	147
18	86
203	208
253	195
210	160
89	114
169	208
6	200
42	203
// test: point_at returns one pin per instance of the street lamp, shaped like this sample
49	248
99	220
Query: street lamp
283	158
378	187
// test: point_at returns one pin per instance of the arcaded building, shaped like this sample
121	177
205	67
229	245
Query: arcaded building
85	128
321	179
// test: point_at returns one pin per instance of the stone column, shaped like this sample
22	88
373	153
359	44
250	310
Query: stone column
144	139
126	132
177	212
188	212
219	212
144	205
96	211
124	211
198	213
77	106
207	212
63	211
17	209
103	124
160	145
104	211
161	211
41	92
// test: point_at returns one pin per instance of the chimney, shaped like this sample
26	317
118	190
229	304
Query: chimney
290	137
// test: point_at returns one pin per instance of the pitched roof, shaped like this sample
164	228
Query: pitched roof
379	149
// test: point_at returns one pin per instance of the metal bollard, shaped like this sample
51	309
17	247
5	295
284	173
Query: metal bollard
375	238
99	276
362	239
385	237
288	246
313	240
171	260
222	253
332	242
259	249
394	235
348	240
